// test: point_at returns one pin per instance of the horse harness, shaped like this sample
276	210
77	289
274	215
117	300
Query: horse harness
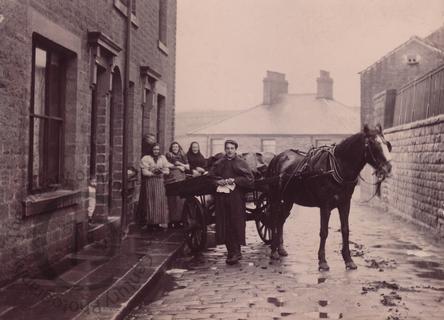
315	156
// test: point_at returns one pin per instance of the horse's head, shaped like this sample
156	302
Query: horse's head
377	151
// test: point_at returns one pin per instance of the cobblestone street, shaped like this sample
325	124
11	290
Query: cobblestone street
400	276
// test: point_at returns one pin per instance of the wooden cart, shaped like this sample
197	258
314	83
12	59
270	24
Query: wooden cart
199	208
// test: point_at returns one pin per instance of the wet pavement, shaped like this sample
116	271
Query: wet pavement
400	275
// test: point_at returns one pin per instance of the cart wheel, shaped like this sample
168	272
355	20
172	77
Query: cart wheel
195	224
263	218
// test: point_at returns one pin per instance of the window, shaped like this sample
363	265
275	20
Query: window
217	146
160	125
46	117
323	142
133	5
269	145
163	14
412	59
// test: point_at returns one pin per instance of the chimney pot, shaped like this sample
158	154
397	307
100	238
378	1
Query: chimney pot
324	86
274	86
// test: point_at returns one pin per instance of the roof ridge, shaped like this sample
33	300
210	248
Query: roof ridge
222	120
412	38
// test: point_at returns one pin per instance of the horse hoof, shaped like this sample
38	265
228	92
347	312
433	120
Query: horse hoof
274	255
282	252
351	265
323	266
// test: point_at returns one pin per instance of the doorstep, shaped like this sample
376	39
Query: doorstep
102	281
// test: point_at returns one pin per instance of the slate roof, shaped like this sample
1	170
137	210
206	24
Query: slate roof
295	114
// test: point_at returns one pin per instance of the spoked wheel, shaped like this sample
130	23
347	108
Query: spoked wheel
263	218
195	224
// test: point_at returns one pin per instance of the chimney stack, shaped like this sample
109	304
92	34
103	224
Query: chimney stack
325	86
274	85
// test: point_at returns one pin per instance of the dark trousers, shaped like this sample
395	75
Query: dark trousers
231	239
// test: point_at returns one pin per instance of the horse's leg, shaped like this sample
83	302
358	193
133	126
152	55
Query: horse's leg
276	212
344	210
325	217
285	213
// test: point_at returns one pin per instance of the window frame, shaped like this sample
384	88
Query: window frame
49	47
319	142
212	145
263	145
122	8
163	27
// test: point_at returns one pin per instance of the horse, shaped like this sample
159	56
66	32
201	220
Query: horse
326	178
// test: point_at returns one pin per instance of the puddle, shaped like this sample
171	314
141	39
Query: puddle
286	314
436	274
400	246
324	315
425	264
276	301
432	269
321	280
176	271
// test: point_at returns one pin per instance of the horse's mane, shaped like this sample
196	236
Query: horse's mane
344	147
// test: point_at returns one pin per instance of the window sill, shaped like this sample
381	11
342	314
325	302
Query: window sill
123	9
162	47
49	201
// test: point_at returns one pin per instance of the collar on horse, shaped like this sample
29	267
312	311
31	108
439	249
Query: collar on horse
336	171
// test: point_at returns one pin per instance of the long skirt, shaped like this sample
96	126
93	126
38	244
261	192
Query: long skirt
175	203
153	201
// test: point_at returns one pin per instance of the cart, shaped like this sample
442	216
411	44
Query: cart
199	208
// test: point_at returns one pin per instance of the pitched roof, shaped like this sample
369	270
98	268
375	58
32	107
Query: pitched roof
436	38
295	114
187	121
425	42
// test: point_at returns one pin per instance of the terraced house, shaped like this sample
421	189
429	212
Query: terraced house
81	83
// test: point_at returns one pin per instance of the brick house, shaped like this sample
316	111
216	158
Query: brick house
61	117
283	120
406	62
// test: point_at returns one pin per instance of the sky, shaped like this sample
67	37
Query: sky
225	47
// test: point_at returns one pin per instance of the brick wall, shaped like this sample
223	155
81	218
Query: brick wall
416	189
25	240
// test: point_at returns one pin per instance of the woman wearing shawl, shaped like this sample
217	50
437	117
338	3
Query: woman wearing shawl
153	201
196	159
179	162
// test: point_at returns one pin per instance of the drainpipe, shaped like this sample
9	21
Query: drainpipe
123	218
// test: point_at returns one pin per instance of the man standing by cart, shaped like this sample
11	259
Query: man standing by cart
233	177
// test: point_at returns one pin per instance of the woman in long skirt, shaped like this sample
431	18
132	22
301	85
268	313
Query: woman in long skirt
153	200
179	160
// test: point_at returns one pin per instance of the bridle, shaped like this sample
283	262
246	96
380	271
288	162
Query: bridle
368	152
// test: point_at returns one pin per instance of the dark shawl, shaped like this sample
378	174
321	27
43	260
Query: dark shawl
196	160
